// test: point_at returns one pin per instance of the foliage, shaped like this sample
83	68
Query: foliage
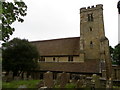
70	85
11	12
57	86
116	54
16	84
19	55
111	49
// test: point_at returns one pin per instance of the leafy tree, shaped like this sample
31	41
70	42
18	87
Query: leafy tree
11	12
116	54
111	51
19	56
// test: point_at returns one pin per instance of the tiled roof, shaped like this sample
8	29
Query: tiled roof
64	46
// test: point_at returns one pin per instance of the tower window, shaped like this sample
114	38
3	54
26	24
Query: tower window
90	28
91	44
90	17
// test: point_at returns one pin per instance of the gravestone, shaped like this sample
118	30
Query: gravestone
95	82
48	79
109	83
83	80
29	77
16	78
79	83
64	79
57	82
24	76
10	76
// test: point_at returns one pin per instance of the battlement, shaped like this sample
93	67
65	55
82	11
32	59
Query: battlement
84	9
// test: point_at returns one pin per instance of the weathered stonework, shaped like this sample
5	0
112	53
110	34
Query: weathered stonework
88	53
93	43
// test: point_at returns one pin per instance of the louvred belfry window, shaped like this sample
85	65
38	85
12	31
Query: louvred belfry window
90	17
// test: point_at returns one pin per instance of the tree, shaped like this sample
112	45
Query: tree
19	56
111	51
11	12
116	54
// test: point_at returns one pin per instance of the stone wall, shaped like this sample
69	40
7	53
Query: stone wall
116	72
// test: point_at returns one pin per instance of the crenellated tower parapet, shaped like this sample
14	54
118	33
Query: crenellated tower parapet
91	8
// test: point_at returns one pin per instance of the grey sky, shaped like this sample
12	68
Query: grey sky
51	19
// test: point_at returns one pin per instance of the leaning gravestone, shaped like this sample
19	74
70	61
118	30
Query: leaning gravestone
48	79
64	79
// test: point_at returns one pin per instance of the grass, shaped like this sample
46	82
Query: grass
16	84
70	85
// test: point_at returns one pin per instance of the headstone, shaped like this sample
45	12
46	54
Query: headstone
10	76
109	83
16	78
24	76
79	83
64	79
83	81
48	79
29	77
57	82
4	78
73	80
95	81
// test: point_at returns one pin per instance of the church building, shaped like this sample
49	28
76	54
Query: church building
87	54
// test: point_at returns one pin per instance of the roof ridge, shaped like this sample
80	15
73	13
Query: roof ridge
54	39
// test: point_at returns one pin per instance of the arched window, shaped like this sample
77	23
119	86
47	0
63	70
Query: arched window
90	28
90	17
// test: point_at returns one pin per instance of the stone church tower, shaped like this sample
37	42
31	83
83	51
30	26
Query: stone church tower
93	43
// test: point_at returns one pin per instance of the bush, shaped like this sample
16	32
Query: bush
70	85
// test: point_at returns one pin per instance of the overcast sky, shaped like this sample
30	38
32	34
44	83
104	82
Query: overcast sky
52	19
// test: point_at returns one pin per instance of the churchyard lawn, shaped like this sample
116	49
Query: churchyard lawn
16	84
